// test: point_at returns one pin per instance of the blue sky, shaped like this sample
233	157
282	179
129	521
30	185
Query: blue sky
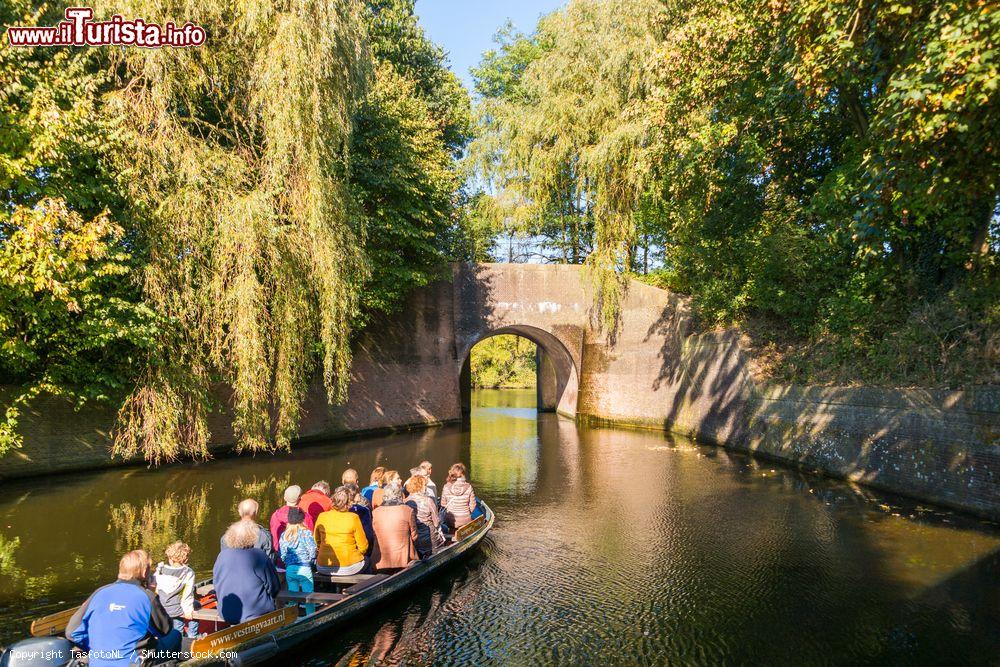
465	28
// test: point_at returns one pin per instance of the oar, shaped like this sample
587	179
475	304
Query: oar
53	624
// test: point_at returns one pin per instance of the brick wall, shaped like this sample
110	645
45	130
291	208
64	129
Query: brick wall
57	438
402	377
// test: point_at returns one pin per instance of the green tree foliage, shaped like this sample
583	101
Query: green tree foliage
267	192
66	280
397	38
55	142
561	224
833	169
415	118
829	169
70	320
240	154
566	134
503	361
473	236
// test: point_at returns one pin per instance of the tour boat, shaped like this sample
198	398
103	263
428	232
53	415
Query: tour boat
265	637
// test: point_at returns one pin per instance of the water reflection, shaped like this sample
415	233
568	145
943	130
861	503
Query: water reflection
622	546
160	521
636	547
9	571
505	432
268	492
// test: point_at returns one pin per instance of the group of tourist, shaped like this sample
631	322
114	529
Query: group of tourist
349	530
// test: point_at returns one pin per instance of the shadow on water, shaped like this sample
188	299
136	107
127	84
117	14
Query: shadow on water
403	630
611	546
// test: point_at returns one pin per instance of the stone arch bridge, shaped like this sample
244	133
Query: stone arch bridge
412	368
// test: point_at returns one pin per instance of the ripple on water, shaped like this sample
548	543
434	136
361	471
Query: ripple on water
610	547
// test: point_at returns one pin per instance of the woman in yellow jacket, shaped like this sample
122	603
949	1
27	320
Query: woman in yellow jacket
340	538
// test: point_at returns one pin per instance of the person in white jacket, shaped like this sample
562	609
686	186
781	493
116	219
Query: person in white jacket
175	588
426	468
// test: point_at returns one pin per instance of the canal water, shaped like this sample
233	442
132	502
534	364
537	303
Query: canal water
610	547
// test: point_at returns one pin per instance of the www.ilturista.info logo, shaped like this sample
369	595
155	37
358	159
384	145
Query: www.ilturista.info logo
79	29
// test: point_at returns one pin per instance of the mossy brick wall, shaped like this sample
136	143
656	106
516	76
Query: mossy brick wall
940	446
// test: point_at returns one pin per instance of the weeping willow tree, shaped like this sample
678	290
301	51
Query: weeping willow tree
573	124
240	162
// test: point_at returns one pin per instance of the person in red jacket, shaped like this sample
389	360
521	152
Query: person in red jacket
316	500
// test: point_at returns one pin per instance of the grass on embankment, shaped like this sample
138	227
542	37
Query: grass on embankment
950	339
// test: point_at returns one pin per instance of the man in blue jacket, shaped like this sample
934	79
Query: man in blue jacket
118	620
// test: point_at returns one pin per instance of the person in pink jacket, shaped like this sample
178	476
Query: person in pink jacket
458	499
279	520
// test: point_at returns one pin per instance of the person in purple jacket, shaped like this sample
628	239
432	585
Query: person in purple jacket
246	582
360	507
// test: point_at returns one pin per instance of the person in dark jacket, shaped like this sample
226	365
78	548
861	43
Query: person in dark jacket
247	510
360	507
428	522
120	619
245	579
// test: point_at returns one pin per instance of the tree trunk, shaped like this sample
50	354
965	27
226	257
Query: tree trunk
581	211
856	113
981	235
645	254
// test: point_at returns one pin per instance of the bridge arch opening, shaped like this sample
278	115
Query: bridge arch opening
556	376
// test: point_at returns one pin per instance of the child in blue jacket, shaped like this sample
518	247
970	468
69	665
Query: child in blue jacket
297	548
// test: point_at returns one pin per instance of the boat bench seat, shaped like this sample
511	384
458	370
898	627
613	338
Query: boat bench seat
301	598
207	615
346	579
53	624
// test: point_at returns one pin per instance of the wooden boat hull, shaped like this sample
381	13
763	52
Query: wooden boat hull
267	646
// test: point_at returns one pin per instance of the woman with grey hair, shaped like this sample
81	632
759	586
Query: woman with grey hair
279	520
245	580
247	509
395	526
